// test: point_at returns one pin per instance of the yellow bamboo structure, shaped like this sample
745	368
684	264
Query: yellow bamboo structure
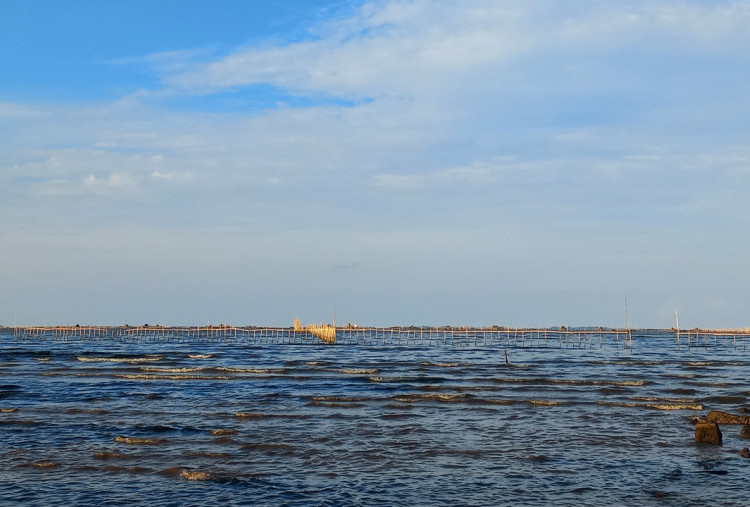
326	332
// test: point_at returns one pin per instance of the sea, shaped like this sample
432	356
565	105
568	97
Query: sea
172	424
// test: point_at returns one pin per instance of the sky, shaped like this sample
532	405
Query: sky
406	162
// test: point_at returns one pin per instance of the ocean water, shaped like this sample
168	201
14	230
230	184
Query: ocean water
263	424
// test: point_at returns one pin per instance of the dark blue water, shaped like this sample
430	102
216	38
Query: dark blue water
190	424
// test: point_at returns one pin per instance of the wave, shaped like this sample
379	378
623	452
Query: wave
663	406
250	415
159	369
251	370
39	465
269	447
131	360
547	403
661	399
195	369
491	401
708	384
731	400
657	406
334	404
205	454
131	469
404	379
410	398
143	376
704	364
444	365
259	415
22	422
107	455
357	371
9	391
343	399
97	411
583	382
626	362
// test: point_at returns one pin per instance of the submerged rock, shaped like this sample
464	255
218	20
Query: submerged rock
727	418
745	432
745	453
223	432
45	464
708	433
138	441
196	475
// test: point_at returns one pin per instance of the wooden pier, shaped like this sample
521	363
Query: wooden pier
395	336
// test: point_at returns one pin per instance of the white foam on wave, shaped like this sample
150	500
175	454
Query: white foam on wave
547	403
357	371
157	369
662	399
131	360
443	365
656	406
146	376
251	370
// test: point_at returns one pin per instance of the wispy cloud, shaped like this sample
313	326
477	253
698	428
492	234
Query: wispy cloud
398	49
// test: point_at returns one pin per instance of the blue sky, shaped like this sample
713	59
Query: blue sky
431	162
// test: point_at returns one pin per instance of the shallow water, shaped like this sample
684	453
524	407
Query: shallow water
201	424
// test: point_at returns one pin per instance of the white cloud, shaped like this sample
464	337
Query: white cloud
113	181
397	49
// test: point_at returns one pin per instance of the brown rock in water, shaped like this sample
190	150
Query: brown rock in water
708	433
138	441
727	418
196	475
221	432
745	432
745	453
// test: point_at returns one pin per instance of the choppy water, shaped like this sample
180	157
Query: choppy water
171	424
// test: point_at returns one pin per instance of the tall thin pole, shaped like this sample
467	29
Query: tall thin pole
628	336
627	325
677	324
